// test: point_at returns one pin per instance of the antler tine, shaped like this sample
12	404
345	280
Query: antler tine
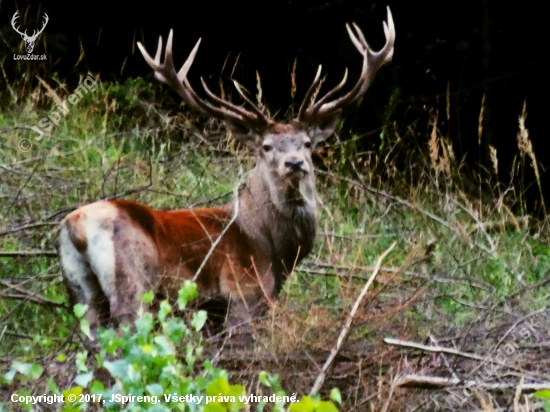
372	61
255	108
361	43
165	72
322	100
223	103
389	32
154	63
158	53
307	99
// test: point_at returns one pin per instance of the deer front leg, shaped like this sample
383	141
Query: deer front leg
241	314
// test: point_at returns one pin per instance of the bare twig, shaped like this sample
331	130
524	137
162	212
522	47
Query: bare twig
405	203
435	349
345	330
481	227
233	218
27	226
84	146
26	295
135	189
316	268
28	253
516	323
129	191
32	298
447	364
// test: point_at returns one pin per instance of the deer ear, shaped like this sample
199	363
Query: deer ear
326	128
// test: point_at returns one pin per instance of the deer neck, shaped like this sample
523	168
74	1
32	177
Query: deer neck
282	223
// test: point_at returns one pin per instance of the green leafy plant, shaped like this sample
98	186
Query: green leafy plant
544	395
153	366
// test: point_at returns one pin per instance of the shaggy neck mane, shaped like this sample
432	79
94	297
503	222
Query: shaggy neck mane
286	228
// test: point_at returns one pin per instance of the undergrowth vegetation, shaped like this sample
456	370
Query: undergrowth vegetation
468	271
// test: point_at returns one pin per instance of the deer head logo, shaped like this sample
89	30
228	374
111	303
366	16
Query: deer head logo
29	40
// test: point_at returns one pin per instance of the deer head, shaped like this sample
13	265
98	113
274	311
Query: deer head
284	149
29	40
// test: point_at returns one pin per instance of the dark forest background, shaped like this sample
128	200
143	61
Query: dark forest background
448	55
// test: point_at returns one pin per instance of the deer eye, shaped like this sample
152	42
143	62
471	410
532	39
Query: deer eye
307	145
267	147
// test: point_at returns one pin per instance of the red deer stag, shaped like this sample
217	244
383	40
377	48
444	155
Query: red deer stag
114	251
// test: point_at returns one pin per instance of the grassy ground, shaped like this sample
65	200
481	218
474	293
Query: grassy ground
468	272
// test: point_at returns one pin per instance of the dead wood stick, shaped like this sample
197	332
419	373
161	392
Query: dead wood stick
345	330
436	349
438	382
439	349
425	382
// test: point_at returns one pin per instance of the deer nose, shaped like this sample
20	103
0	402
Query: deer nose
294	164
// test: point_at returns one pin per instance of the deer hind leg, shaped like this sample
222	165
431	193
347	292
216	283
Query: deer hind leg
107	261
81	282
135	270
101	258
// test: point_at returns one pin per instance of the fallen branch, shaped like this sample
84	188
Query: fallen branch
425	382
316	268
437	382
436	349
440	349
345	330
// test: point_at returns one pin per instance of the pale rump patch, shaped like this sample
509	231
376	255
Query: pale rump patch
87	256
98	222
74	267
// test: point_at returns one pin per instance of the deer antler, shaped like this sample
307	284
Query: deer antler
313	113
166	73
